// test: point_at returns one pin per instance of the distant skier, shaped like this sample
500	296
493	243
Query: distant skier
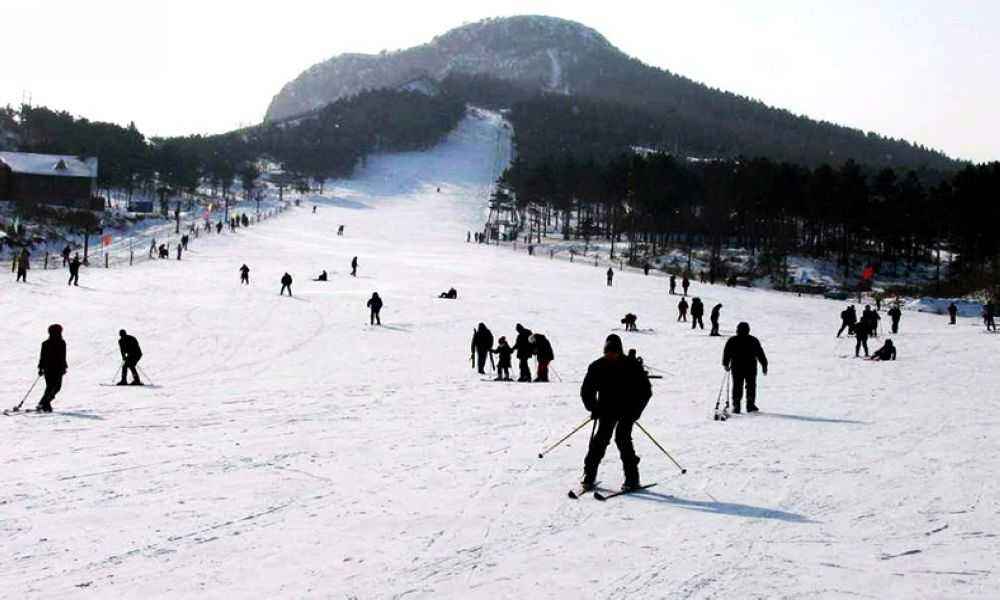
848	319
340	230
697	313
322	276
354	267
740	357
23	264
74	271
65	254
131	353
52	366
522	345
886	352
645	269
180	248
682	310
862	331
673	284
685	284
895	314
952	313
615	391
503	352
244	275
152	248
611	276
629	322
543	356
989	316
869	320
714	318
218	228
184	241
375	304
286	284
314	209
482	345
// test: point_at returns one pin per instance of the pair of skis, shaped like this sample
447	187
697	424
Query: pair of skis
578	492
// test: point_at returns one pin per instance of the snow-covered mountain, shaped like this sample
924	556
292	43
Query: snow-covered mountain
531	50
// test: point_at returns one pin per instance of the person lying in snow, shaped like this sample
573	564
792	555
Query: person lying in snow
451	294
886	352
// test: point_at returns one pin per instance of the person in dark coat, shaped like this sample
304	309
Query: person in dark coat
52	366
611	276
522	346
354	267
184	241
503	352
848	319
697	313
23	264
543	356
714	318
322	276
615	391
482	345
685	284
74	271
989	316
218	227
740	357
451	294
952	313
131	353
286	284
682	310
862	331
673	284
180	248
645	269
895	314
629	322
375	304
65	254
886	352
244	275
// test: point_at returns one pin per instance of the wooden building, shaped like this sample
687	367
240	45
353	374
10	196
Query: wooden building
30	179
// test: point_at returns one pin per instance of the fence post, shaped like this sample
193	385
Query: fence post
106	256
46	261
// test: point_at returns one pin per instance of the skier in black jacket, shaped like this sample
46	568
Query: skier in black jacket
682	310
697	313
522	346
286	284
543	356
244	275
74	271
848	319
714	318
673	284
375	304
895	314
482	344
740	357
52	365
952	313
503	352
131	353
611	276
615	391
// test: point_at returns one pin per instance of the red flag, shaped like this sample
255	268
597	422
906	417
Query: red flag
868	273
106	241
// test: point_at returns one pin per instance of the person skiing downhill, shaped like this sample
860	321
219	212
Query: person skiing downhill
354	267
543	356
286	284
375	304
131	353
482	344
697	313
52	366
740	357
244	275
615	391
611	276
522	345
714	318
682	310
503	352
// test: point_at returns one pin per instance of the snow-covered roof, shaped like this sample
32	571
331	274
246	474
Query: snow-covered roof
49	164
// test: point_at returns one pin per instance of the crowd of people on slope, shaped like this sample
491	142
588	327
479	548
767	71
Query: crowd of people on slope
527	345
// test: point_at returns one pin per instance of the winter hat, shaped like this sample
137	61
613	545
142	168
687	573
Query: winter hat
55	329
743	328
613	344
121	332
502	340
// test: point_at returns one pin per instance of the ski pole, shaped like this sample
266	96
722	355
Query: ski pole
556	373
19	404
117	372
652	439
568	435
143	371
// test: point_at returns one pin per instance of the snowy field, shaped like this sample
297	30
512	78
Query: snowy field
289	450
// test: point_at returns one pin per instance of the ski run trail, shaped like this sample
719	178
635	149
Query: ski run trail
290	450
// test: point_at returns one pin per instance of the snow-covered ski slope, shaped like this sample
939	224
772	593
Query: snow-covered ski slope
291	451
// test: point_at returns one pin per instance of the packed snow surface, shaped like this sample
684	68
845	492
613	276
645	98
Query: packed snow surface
289	450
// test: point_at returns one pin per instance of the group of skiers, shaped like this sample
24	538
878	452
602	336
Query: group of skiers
526	345
866	326
22	264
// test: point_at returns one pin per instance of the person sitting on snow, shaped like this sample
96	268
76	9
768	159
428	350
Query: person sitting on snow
886	352
322	276
451	294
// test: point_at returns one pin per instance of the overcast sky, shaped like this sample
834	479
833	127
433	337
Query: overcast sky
923	70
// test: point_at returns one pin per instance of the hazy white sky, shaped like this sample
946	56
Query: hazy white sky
923	70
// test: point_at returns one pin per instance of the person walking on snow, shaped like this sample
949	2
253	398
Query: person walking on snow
714	318
503	352
615	391
23	264
65	254
482	345
611	276
74	271
740	357
685	284
180	248
682	310
952	313
522	345
673	284
354	267
861	333
375	304
244	275
848	319
131	353
895	314
543	356
52	366
697	313
286	284
989	316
